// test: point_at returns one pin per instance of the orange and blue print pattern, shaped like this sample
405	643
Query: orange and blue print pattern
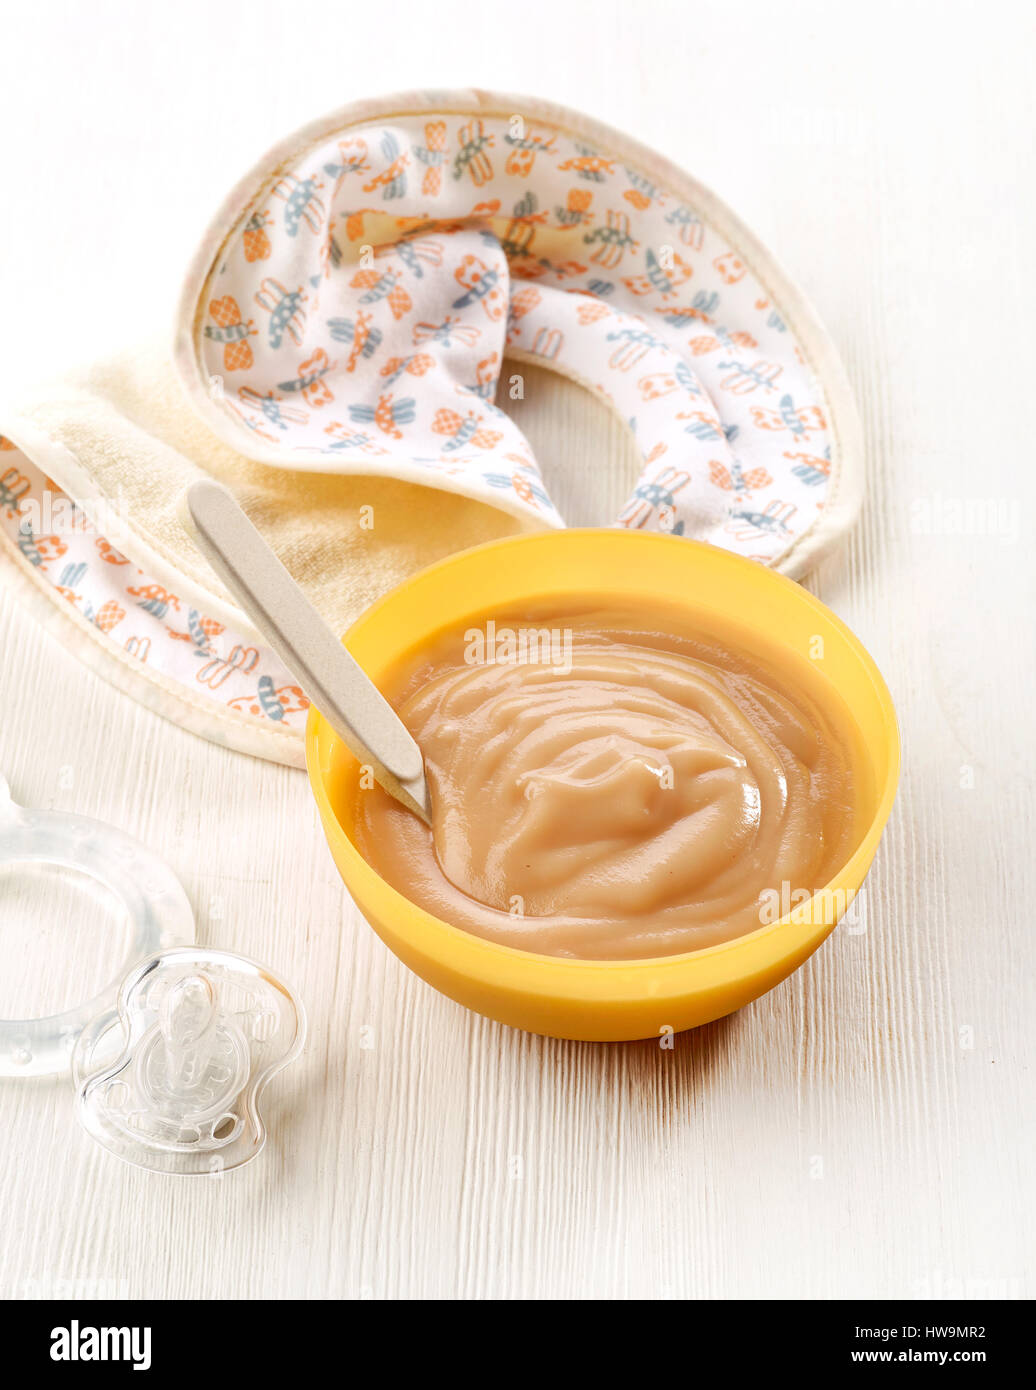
363	307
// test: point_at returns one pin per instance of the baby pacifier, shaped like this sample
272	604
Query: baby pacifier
169	1060
172	1078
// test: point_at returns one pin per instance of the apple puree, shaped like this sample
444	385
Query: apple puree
607	791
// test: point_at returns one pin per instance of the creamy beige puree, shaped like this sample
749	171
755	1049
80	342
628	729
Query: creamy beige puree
606	791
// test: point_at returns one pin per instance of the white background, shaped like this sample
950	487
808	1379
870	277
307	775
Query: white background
863	1129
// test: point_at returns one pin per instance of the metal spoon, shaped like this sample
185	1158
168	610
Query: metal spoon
342	692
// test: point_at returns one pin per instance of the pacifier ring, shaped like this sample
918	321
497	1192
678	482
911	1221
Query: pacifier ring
154	902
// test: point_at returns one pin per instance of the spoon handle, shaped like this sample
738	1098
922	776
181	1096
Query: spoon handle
342	692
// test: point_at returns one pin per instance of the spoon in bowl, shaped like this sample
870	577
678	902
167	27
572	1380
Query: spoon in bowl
331	678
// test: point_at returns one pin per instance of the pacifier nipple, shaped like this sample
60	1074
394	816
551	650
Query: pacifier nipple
197	1036
195	1062
196	1058
188	1015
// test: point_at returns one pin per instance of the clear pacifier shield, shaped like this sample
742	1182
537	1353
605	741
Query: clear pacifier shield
173	1079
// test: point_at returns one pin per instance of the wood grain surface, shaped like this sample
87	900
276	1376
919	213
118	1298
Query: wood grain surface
865	1129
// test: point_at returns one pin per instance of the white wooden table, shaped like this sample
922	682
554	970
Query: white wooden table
866	1128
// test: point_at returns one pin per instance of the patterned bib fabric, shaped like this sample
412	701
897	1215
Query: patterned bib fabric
358	310
160	640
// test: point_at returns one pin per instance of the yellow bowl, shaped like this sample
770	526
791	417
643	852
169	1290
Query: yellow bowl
611	1000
